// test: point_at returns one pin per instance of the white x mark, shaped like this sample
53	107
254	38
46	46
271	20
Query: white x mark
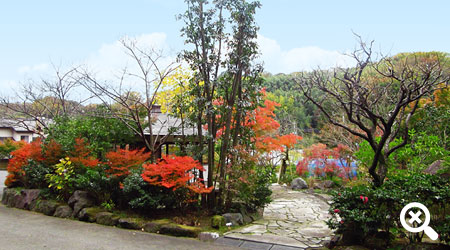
415	217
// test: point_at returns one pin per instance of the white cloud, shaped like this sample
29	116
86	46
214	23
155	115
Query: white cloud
111	59
33	68
277	60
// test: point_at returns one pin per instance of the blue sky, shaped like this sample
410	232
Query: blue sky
294	35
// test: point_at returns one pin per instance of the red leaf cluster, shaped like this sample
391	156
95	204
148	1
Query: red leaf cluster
20	157
174	172
122	160
81	155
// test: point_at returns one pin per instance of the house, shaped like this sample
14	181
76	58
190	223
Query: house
23	130
167	130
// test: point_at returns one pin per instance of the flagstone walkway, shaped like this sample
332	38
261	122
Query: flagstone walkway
293	220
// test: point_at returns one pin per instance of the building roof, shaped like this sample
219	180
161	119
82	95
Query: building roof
19	125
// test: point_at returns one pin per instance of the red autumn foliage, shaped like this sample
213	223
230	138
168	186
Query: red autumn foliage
321	156
175	172
122	160
52	152
20	157
81	155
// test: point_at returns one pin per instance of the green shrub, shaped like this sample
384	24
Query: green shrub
255	193
96	182
35	173
138	194
61	181
367	210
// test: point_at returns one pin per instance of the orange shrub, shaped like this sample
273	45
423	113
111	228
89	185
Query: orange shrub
20	157
122	160
174	172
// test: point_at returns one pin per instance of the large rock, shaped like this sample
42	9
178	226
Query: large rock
89	214
155	226
10	196
180	230
130	223
107	219
46	207
298	183
27	198
79	200
436	167
233	218
63	211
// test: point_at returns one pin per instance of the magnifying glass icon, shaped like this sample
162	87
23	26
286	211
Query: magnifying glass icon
415	217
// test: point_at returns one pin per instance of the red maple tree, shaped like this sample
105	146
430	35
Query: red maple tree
175	172
122	160
82	155
20	157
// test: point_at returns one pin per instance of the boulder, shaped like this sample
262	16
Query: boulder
10	196
208	236
233	218
46	207
217	221
180	230
298	183
63	211
130	223
155	226
436	167
107	219
27	198
79	200
89	214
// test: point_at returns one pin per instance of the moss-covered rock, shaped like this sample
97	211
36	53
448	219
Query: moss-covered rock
180	230
63	211
89	214
46	207
131	223
217	221
107	219
155	226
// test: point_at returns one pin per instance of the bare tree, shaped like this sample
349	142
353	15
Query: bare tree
376	98
41	101
134	109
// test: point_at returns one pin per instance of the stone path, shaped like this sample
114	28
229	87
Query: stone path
293	220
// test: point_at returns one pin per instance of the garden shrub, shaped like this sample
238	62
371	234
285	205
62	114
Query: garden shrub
35	173
20	157
120	162
138	194
62	180
367	210
96	182
255	192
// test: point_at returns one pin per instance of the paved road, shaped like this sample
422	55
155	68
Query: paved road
21	229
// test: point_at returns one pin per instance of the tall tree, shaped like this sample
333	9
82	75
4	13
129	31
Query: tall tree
376	97
206	26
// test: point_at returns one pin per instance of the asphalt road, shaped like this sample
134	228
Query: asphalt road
21	229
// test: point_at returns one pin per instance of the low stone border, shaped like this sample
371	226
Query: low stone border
80	206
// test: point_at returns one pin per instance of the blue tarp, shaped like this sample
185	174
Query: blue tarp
340	163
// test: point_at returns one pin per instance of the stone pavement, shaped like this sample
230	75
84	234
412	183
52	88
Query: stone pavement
293	220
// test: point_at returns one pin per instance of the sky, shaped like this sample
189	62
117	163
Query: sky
294	35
